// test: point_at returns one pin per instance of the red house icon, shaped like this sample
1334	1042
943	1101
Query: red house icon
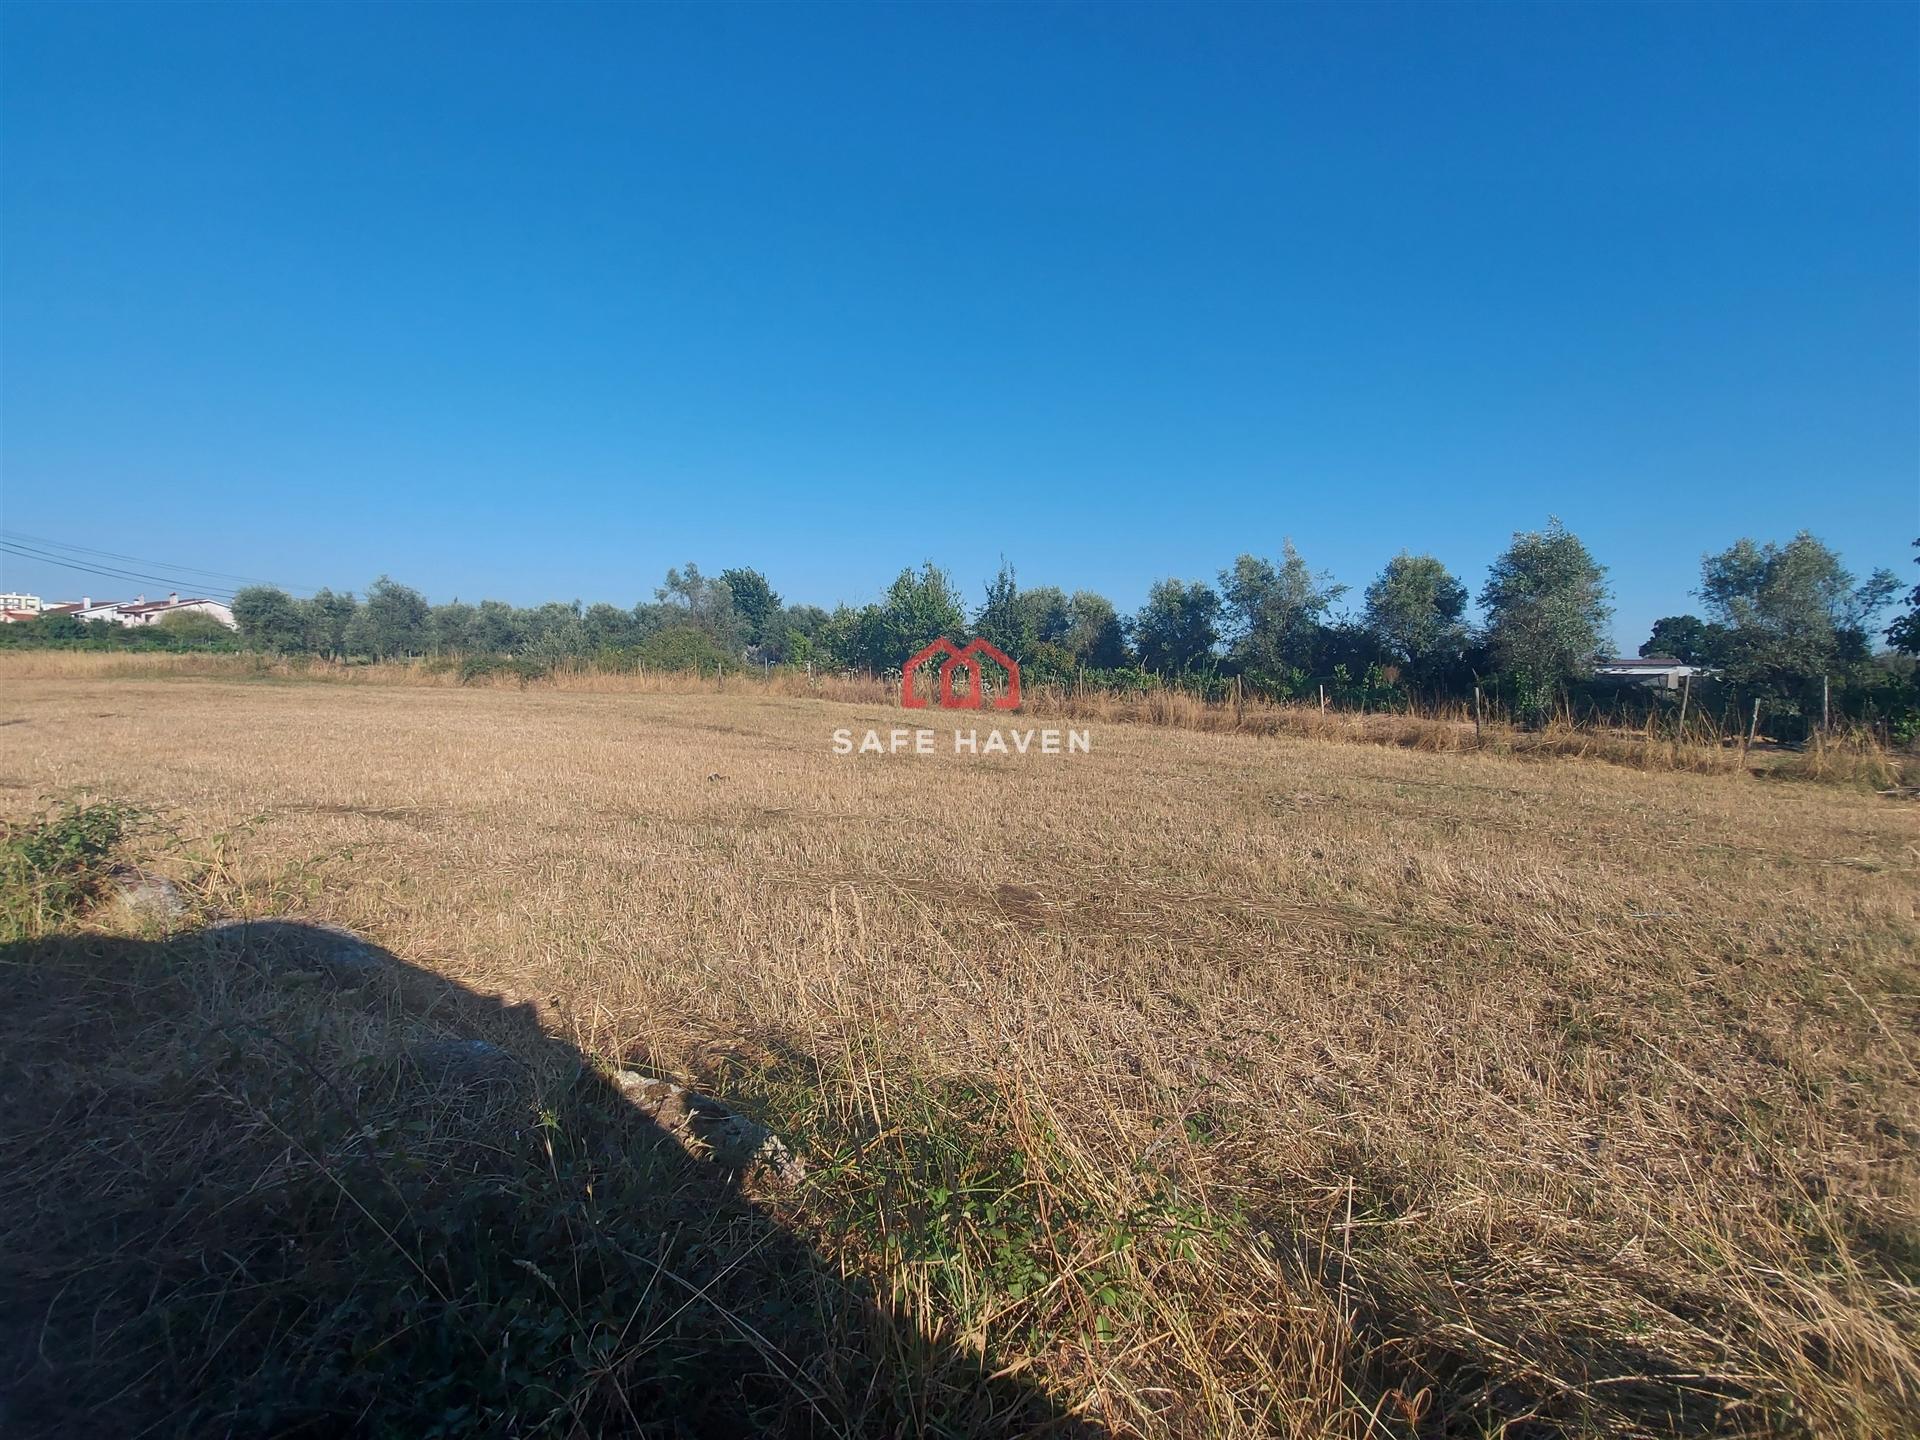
973	697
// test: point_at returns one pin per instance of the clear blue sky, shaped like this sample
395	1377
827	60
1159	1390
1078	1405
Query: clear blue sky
532	303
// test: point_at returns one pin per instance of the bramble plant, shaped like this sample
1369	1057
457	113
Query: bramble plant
52	868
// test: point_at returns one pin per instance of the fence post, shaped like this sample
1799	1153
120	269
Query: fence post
1476	714
1753	730
1323	700
1826	705
1686	694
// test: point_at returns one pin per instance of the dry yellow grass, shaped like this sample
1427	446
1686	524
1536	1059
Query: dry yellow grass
1856	759
1378	1090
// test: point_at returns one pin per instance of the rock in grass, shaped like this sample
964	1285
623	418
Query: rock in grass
148	896
708	1129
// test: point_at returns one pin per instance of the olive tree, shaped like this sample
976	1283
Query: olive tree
1547	614
1414	613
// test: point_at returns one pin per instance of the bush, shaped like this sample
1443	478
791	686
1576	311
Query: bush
192	627
52	869
684	648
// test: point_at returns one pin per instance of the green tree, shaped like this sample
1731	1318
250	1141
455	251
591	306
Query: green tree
450	628
496	629
271	619
1047	615
1686	638
1414	613
754	602
1547	614
391	623
705	604
555	632
1095	635
608	627
921	605
1791	612
1002	619
858	639
793	636
328	616
1904	633
1177	628
1274	614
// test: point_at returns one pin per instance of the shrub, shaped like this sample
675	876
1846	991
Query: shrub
684	648
51	869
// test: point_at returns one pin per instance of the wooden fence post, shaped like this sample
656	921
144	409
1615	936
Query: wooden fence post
1476	714
1686	694
1323	700
1826	705
1753	730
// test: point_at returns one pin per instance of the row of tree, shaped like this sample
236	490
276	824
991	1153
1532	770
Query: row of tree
1785	621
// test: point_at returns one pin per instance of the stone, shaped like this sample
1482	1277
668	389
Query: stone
707	1129
149	896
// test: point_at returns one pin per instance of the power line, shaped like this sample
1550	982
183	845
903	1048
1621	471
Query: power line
21	537
111	573
20	552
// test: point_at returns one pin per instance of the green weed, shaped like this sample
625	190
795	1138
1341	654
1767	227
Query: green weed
52	868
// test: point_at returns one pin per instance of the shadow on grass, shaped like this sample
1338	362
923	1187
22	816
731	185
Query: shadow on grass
257	1180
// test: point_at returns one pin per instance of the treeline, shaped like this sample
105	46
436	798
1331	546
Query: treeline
1786	623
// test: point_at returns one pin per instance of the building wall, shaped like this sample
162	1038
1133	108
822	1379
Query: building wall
1670	679
151	612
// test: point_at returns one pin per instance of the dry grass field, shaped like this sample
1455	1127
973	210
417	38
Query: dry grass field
1208	1084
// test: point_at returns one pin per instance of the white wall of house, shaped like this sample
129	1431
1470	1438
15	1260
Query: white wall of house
222	613
1654	676
142	611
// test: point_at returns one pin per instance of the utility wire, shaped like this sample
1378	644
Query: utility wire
21	537
185	587
8	547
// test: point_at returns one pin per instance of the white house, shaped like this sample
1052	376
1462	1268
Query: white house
150	612
142	611
1656	672
17	603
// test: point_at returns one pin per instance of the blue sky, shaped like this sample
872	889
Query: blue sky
531	303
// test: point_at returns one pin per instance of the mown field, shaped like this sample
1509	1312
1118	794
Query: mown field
1208	1084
